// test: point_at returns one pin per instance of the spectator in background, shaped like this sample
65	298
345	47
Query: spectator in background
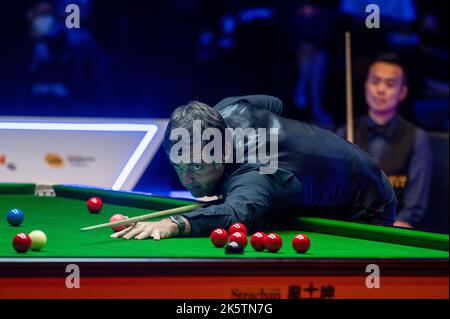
62	68
312	31
401	149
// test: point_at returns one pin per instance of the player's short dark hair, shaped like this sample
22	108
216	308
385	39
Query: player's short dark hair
184	117
392	58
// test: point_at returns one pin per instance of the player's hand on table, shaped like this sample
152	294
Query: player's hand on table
157	230
399	223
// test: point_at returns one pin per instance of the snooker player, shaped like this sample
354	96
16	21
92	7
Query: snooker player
401	149
316	172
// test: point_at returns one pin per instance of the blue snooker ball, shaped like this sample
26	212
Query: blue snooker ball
15	217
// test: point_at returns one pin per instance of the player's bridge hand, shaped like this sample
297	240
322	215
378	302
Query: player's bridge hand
156	230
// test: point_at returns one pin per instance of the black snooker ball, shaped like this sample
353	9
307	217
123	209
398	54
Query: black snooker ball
234	248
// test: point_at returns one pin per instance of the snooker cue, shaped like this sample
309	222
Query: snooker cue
163	213
349	88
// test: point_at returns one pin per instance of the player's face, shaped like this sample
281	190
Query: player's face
385	87
199	179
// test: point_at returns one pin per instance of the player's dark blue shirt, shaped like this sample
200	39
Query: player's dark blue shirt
318	173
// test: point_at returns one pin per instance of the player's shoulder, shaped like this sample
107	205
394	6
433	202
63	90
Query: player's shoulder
225	102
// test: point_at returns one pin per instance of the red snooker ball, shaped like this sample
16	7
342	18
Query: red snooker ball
21	242
219	237
239	237
238	227
116	218
301	243
273	242
94	204
257	241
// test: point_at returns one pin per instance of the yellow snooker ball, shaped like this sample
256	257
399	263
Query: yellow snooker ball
38	239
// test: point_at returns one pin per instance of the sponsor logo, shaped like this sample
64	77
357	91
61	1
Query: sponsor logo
258	293
54	160
80	161
2	159
398	181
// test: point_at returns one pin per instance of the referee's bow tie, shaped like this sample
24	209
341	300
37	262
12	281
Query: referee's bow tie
385	130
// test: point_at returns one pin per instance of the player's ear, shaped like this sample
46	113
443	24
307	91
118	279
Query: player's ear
404	92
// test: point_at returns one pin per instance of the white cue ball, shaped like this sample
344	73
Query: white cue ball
38	239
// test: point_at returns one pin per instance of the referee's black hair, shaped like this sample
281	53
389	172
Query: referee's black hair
392	58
